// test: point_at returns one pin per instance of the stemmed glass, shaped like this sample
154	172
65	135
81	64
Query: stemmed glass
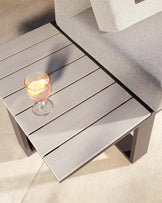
38	88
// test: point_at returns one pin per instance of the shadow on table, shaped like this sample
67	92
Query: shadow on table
55	67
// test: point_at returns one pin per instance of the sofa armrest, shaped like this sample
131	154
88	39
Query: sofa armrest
71	7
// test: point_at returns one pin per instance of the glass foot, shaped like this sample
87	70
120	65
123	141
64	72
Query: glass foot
42	108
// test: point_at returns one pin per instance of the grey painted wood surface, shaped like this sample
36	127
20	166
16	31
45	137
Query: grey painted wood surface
48	64
32	54
29	39
86	145
60	79
78	119
65	100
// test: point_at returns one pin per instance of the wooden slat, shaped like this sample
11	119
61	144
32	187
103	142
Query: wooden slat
32	54
79	118
60	79
48	64
65	100
86	145
24	41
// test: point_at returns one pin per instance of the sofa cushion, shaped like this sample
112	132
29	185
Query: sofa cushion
116	15
132	55
72	7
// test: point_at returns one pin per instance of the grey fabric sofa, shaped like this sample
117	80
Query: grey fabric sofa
133	55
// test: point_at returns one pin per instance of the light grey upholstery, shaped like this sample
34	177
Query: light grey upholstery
72	7
132	55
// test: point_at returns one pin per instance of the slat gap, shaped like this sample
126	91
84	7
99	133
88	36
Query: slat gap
48	74
35	61
89	125
59	90
70	109
28	47
67	64
74	82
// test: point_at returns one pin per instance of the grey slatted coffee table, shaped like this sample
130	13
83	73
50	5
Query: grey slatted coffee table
91	111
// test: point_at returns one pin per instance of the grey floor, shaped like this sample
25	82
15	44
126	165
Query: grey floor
109	178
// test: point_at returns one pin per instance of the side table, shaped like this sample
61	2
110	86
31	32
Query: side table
91	111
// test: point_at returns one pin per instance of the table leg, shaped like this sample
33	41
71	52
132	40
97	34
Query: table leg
136	145
21	137
141	139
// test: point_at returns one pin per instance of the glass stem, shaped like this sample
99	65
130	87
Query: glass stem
42	104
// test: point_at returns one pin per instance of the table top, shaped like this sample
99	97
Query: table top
91	111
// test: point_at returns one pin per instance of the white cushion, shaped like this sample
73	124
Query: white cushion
116	15
72	7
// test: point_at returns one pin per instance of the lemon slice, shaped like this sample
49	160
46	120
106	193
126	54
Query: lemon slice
36	87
